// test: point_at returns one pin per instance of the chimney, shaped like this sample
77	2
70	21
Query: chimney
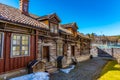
24	5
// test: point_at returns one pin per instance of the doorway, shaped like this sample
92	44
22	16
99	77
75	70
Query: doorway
46	55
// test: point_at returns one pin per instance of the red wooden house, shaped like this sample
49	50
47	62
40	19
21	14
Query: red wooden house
17	36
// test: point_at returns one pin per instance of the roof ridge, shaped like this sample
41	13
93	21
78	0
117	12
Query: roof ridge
69	23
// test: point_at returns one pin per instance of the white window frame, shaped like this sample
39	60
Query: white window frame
1	54
12	56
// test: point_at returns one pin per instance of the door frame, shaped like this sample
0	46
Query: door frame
72	50
48	60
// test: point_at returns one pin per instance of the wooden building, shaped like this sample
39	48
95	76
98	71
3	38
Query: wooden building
19	36
25	37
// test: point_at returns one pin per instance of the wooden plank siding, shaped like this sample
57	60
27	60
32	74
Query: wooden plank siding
7	63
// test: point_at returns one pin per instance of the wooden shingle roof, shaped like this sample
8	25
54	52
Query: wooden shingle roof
14	15
64	30
82	35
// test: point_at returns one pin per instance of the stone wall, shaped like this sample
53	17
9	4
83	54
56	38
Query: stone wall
77	50
83	57
94	51
69	54
105	52
52	49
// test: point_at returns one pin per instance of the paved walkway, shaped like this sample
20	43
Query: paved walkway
86	70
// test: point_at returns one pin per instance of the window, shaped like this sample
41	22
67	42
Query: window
56	30
53	28
20	45
1	44
60	49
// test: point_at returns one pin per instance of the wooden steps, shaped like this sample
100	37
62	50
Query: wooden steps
50	67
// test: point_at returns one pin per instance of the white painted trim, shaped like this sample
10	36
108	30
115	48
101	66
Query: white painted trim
2	45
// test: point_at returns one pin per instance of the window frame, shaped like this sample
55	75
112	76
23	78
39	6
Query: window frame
1	55
60	49
11	54
53	28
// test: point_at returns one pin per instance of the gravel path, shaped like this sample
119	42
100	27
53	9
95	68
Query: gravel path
86	70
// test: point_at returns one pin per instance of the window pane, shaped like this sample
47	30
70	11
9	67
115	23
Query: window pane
15	37
24	42
18	42
22	52
14	42
18	37
23	37
26	52
16	53
27	38
16	48
24	47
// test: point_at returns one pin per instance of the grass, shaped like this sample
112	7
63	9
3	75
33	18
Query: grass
1	79
111	71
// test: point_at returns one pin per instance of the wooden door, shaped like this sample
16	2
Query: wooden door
64	49
72	50
46	55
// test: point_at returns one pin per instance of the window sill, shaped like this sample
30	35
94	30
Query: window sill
1	58
19	56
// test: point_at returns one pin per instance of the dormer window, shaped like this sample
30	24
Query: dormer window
53	28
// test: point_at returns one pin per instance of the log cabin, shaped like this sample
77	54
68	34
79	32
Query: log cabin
76	45
25	37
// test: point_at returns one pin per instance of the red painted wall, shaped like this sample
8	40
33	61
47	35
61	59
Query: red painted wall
8	63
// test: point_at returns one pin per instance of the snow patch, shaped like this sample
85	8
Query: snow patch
33	76
68	69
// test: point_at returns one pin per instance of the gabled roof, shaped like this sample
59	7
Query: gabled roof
82	35
14	15
64	30
49	17
70	25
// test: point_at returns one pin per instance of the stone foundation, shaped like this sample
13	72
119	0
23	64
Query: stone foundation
83	58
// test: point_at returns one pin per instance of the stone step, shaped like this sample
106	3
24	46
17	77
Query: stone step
52	70
50	66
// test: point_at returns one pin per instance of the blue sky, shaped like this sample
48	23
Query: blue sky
98	16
